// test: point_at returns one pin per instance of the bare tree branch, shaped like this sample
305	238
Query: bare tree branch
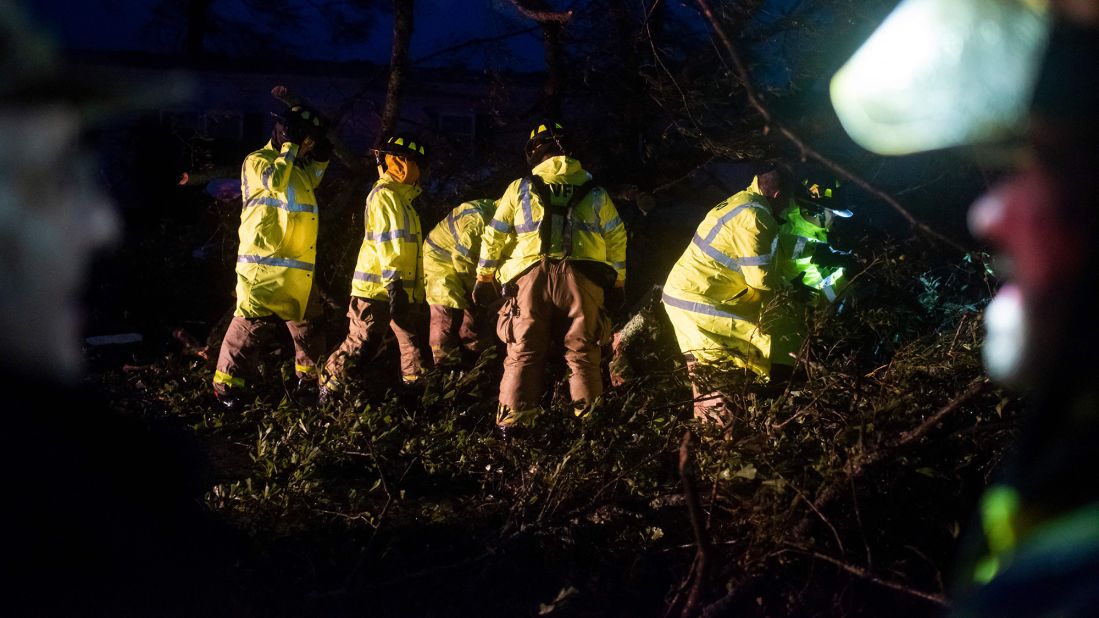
858	465
744	78
473	43
938	599
699	570
540	12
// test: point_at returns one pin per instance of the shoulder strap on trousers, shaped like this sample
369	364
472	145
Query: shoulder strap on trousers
545	226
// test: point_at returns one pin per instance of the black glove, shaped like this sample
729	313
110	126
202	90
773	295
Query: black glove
485	293
398	302
614	297
294	129
322	149
831	258
801	293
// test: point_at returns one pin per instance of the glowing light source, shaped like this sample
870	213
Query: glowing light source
1004	348
940	73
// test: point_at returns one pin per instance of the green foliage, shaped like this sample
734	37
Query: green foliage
830	468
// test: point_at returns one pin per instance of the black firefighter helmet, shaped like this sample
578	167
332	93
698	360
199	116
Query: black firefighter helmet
403	145
546	138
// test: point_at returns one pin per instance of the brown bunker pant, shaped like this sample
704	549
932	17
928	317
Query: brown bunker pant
453	329
711	404
368	320
247	336
552	295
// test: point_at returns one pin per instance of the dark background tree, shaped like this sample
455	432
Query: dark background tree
402	35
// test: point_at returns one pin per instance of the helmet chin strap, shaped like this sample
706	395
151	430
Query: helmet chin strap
378	162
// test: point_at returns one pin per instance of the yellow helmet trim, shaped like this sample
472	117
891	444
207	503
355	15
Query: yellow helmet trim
543	128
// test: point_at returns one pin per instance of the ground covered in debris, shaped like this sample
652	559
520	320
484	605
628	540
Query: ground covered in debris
841	492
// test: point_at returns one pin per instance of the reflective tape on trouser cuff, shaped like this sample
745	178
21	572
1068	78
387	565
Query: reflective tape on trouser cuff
306	369
507	417
224	379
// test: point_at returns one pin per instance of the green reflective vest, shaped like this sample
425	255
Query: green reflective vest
278	233
797	240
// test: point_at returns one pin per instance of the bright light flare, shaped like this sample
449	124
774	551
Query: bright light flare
1005	336
940	73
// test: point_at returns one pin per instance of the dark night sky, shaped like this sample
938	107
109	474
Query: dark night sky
125	25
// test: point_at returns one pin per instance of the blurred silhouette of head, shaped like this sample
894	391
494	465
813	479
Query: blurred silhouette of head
53	213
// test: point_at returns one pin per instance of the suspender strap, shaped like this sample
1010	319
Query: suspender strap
545	227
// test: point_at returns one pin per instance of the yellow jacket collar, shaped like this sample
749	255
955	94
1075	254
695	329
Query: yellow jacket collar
408	192
562	169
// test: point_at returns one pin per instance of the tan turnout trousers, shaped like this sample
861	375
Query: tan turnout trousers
368	320
452	329
247	336
552	295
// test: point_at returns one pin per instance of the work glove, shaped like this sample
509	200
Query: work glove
832	258
322	149
398	303
485	293
295	129
614	298
801	293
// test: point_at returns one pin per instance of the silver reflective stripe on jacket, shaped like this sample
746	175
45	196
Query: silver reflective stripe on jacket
275	261
697	307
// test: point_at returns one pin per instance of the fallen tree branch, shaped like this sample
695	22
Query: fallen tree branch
771	123
938	599
858	465
699	568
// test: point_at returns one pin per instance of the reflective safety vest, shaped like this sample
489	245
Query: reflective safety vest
391	246
278	233
797	240
451	251
513	239
730	252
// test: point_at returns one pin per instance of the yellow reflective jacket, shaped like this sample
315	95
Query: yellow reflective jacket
278	233
512	242
730	253
797	239
450	254
391	246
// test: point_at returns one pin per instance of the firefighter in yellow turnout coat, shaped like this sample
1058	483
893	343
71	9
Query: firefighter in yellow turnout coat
450	272
558	239
715	292
389	276
277	254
